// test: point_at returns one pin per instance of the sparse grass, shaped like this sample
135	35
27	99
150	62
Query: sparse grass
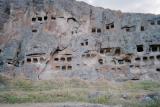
43	96
153	103
75	90
100	100
143	85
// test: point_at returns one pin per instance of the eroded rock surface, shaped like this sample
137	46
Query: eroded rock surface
47	39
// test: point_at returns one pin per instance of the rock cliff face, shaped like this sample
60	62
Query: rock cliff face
47	39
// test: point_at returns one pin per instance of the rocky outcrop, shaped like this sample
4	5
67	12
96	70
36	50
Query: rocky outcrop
47	39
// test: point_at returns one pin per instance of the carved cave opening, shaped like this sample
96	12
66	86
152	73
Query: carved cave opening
140	48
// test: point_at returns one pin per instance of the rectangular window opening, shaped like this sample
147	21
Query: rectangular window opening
62	59
100	61
58	67
93	55
142	28
93	30
158	69
82	44
34	30
108	50
35	60
112	25
120	61
158	22
69	59
151	57
29	60
88	55
42	59
98	30
152	23
118	51
127	29
158	57
53	18
39	18
45	17
56	59
83	55
63	67
137	59
145	58
154	48
86	43
33	19
107	27
140	48
102	51
69	67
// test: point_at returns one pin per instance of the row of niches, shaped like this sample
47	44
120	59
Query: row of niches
35	60
72	32
154	22
45	18
39	19
63	67
138	66
96	30
99	30
85	43
127	28
152	48
63	59
114	62
113	69
114	50
147	58
88	55
34	19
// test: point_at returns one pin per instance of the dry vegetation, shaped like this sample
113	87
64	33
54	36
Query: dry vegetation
75	90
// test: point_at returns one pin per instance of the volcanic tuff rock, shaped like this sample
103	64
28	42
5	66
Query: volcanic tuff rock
47	39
